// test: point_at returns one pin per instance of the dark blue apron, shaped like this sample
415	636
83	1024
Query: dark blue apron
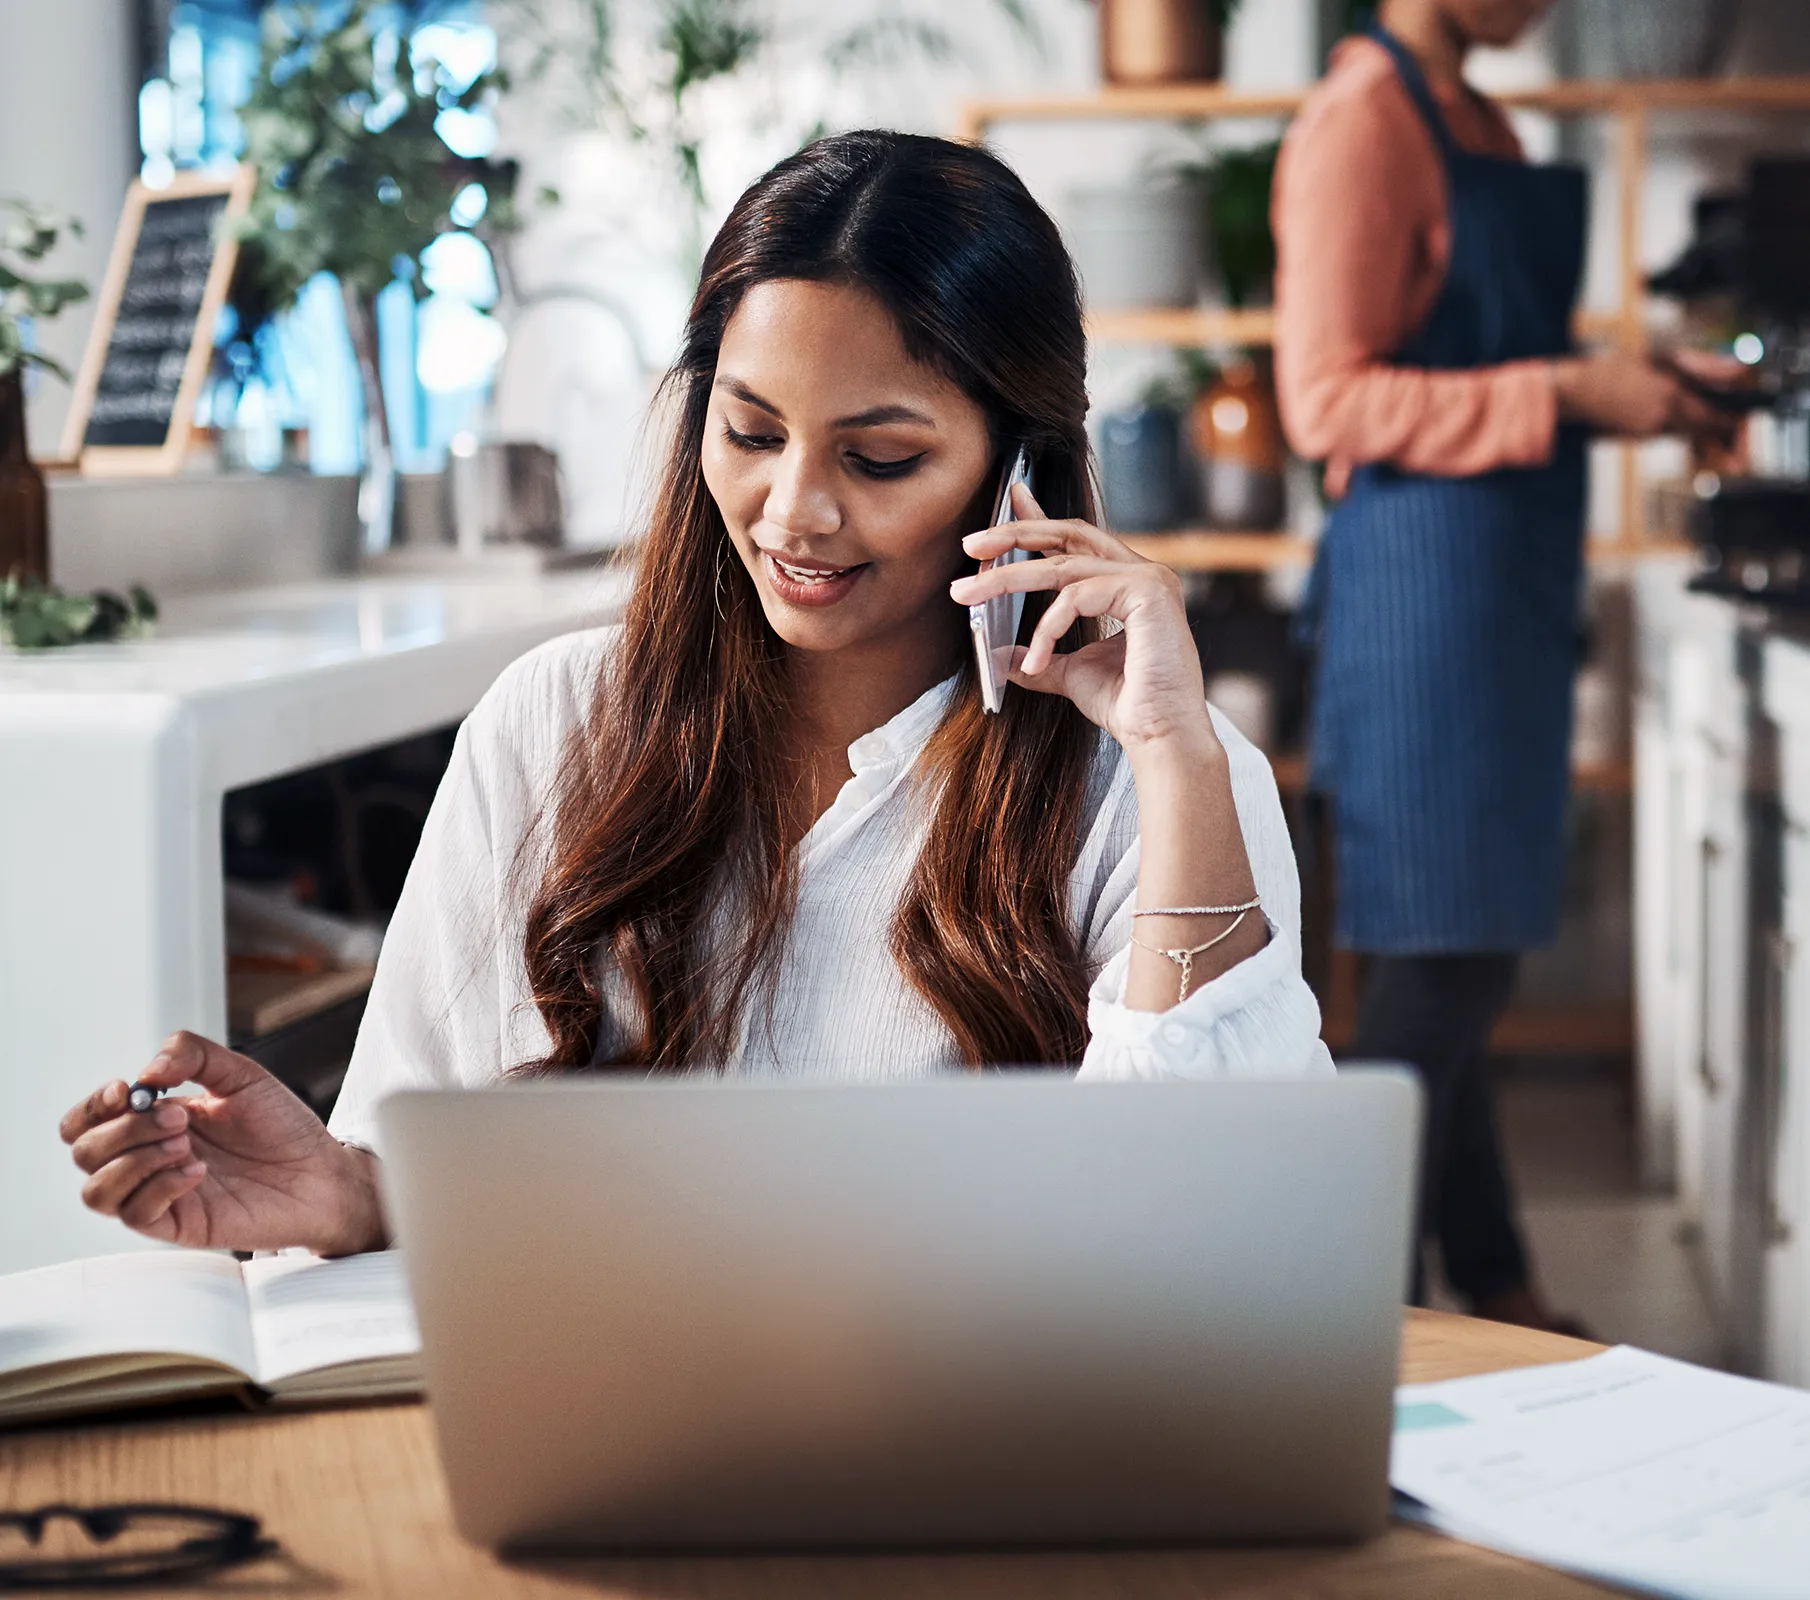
1446	610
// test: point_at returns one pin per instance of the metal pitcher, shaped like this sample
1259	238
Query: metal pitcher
505	493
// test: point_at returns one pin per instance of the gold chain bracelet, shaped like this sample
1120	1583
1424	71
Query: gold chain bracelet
1184	958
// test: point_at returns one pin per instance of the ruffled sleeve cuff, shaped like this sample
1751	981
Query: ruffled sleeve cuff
1258	1019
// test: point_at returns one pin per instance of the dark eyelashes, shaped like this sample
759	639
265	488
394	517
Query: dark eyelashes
865	465
885	469
748	441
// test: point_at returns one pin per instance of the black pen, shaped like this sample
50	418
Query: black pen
141	1096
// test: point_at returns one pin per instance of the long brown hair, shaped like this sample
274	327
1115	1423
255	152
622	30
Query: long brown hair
671	802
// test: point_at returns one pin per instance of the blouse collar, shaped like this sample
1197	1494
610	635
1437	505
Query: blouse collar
897	742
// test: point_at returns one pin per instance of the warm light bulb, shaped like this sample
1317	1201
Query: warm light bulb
1230	414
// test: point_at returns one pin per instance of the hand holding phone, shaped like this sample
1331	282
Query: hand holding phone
994	622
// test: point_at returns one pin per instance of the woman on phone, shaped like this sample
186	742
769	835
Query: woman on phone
765	825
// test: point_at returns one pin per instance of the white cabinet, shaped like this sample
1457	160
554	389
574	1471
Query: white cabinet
1784	1211
1660	957
1699	786
1666	895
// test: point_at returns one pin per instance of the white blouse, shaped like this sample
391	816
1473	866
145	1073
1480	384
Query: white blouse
450	1006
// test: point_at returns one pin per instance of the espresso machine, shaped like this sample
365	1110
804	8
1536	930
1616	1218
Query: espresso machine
1751	525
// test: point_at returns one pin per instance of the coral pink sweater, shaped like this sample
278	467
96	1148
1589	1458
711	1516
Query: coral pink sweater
1362	238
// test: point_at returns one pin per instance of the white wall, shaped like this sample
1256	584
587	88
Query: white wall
68	134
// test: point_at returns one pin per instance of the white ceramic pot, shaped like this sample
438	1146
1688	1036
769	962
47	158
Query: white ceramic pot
1236	496
1652	38
1137	246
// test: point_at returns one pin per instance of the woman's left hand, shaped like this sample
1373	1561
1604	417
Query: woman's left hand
1142	684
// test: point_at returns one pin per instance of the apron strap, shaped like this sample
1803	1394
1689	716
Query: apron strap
1415	82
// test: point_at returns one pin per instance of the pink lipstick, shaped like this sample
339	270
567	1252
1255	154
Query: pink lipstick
809	583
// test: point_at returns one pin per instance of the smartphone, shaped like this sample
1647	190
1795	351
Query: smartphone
1736	402
994	622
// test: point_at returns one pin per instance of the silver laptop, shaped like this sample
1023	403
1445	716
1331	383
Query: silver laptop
1005	1310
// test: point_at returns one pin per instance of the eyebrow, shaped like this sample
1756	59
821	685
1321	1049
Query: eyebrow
873	417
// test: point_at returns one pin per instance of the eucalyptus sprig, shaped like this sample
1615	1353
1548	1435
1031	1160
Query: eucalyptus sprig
40	616
28	233
646	89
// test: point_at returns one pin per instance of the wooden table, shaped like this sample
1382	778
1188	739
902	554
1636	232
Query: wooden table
357	1501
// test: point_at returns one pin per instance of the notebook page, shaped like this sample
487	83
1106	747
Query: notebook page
1627	1466
188	1303
307	1314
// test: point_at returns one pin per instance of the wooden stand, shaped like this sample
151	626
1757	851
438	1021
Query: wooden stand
1629	109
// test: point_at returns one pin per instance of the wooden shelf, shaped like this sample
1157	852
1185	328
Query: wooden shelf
1208	325
259	1003
1584	1028
1601	1028
1183	325
1291	773
1201	102
1606	552
1604	777
1595	97
1202	550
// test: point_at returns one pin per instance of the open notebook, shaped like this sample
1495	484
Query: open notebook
126	1330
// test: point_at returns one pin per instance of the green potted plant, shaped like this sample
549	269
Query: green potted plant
355	179
28	234
1235	183
1238	183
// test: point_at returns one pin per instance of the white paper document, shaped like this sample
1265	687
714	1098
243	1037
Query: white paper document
1625	1467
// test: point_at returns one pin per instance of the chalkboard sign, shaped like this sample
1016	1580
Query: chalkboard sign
148	351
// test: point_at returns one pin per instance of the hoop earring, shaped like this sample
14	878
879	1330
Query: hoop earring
716	578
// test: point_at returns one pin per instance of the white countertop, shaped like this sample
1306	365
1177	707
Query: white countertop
230	642
272	680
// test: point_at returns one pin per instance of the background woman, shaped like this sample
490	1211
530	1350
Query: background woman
1427	281
765	824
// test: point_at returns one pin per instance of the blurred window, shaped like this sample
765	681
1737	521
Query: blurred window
199	60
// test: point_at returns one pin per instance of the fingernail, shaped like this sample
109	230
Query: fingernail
194	1169
174	1146
113	1096
170	1116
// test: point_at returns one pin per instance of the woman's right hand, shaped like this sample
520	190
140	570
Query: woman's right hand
1628	395
244	1165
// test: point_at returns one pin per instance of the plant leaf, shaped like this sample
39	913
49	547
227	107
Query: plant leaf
37	358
